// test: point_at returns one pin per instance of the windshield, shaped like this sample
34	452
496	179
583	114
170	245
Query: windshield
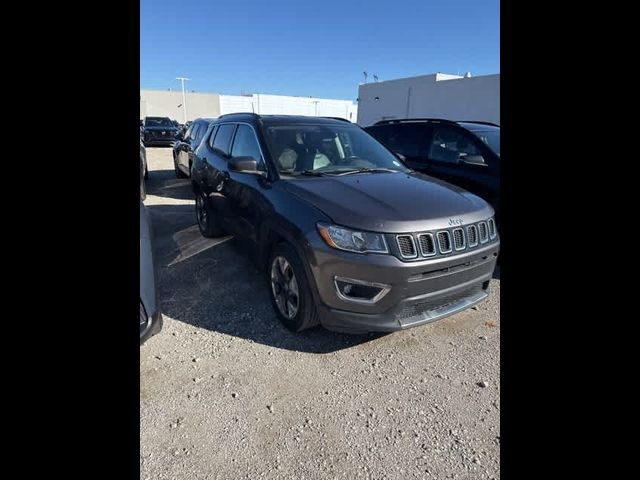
328	150
491	138
158	122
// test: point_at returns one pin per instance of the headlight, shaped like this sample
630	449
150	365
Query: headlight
352	240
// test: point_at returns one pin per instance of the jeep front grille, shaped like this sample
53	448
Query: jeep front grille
413	246
407	246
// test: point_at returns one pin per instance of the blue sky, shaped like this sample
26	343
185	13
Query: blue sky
312	48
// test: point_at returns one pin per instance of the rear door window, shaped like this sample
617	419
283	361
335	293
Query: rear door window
201	131
212	135
187	134
194	131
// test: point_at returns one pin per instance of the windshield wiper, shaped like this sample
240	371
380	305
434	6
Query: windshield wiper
311	173
369	170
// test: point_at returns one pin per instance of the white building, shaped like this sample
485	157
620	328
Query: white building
438	95
285	105
165	103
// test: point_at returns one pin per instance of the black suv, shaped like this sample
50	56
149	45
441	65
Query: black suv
186	144
158	132
466	154
350	237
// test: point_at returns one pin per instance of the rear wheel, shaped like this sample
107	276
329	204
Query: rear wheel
208	220
291	295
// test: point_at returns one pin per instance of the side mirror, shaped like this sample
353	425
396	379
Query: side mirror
244	164
400	156
473	160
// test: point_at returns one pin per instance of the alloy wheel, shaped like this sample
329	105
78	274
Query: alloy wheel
201	211
284	287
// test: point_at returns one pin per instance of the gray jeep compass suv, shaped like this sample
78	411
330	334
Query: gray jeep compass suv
349	236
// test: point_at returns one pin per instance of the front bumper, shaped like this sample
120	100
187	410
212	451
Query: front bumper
421	292
153	326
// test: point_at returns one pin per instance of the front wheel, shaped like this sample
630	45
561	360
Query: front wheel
291	295
208	220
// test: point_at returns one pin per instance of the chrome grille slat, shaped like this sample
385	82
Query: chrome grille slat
444	241
492	228
427	244
482	230
407	246
458	239
472	235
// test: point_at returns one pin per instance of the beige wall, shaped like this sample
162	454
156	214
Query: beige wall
436	96
165	103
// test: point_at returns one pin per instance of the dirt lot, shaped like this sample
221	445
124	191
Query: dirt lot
227	392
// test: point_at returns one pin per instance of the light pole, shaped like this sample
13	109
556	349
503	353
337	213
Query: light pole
184	98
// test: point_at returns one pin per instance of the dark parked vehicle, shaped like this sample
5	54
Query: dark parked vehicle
186	144
150	316
350	237
158	132
144	171
466	154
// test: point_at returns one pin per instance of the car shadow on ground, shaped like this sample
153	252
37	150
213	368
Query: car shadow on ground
163	183
212	284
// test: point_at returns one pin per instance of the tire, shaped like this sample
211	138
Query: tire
306	315
207	217
179	173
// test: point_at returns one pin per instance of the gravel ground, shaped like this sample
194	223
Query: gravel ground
226	392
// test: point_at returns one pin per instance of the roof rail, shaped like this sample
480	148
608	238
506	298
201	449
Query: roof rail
338	118
480	122
240	113
400	120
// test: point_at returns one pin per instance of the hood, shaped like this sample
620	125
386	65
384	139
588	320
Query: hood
390	202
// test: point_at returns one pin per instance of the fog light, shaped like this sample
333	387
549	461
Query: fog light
360	291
